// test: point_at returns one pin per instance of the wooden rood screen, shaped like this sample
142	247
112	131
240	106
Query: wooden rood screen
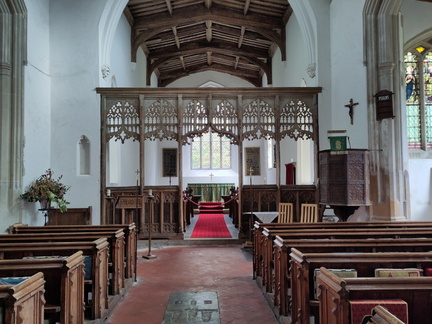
179	114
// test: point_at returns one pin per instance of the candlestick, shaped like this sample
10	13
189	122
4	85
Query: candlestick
150	192
109	193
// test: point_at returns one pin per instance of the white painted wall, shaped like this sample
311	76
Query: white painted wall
197	79
348	73
289	73
37	115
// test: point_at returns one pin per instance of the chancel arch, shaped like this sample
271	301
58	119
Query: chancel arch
156	119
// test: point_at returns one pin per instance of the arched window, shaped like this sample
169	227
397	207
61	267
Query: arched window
418	79
211	151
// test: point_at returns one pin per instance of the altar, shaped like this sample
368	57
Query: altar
210	192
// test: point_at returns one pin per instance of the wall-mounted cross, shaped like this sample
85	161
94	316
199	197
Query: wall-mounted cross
351	106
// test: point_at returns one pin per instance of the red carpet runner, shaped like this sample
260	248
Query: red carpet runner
210	226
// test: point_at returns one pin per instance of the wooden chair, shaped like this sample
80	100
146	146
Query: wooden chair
309	213
285	213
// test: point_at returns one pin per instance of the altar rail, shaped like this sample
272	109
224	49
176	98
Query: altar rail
131	205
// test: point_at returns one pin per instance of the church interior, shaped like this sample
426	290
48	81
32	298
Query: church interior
136	133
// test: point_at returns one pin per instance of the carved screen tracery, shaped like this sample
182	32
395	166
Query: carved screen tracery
258	120
122	119
297	120
160	120
195	120
225	120
182	114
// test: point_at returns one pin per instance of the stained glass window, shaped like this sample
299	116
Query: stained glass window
418	86
211	151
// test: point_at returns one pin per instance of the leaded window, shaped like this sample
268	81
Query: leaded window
418	85
211	151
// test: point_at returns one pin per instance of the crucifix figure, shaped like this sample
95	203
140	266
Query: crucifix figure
351	106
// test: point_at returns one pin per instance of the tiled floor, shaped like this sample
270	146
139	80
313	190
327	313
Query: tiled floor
225	269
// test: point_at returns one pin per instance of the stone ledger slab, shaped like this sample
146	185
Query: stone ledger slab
193	308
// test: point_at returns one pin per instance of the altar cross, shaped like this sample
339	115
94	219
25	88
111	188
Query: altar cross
351	106
211	177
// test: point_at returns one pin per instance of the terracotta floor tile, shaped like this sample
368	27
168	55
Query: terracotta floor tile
223	269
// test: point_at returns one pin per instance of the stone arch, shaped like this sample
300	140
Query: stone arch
107	27
308	25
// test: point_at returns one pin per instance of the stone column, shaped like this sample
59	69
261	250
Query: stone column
381	26
13	27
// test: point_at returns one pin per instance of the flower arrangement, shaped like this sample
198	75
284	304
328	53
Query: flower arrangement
46	188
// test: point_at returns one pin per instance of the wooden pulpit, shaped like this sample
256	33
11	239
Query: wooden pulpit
344	181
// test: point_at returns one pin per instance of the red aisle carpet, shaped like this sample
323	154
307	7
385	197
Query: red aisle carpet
210	226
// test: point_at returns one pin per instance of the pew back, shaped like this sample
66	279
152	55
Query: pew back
303	266
64	282
116	243
129	230
335	293
96	250
23	302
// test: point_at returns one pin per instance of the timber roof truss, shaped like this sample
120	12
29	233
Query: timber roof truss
182	37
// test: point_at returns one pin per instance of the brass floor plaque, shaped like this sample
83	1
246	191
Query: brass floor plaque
192	308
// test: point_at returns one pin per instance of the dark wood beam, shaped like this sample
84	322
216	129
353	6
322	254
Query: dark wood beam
200	14
253	79
204	47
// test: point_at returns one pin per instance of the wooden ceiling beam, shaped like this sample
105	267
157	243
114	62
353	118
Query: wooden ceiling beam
199	14
246	7
252	78
169	6
209	58
176	39
202	47
242	32
209	35
271	35
183	63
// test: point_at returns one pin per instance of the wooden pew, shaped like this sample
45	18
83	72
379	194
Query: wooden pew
72	216
259	228
130	232
64	284
267	260
116	242
98	250
304	264
23	302
282	248
335	293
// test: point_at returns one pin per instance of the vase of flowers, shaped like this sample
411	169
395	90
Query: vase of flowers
45	190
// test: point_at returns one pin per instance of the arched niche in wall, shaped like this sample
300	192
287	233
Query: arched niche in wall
83	156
